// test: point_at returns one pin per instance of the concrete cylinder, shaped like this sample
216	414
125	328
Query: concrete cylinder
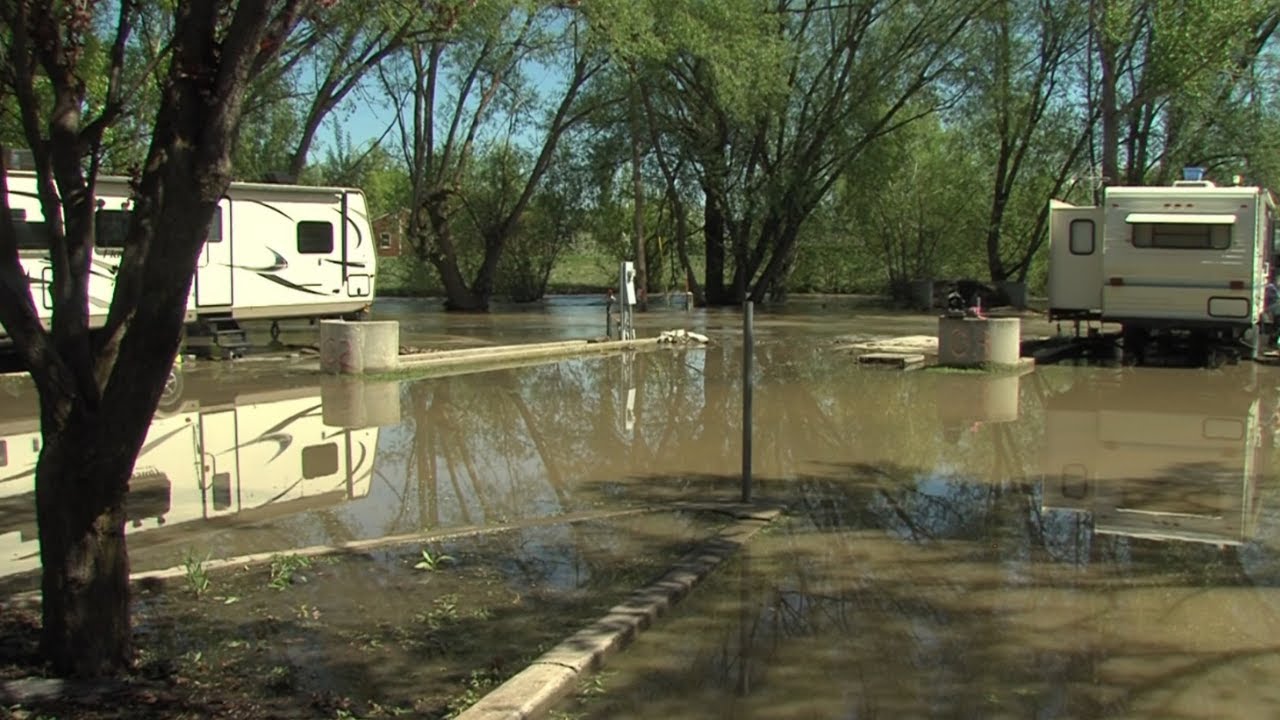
351	348
973	342
355	403
967	397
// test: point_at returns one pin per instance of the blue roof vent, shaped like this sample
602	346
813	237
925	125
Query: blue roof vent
1193	173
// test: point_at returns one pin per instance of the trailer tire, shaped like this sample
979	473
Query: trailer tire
171	395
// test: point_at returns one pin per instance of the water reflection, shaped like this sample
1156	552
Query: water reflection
1149	462
1119	561
217	458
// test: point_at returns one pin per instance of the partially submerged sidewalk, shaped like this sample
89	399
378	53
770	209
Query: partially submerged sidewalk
428	624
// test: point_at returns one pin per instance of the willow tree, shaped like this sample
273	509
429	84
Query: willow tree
847	74
99	386
505	73
1019	119
1167	77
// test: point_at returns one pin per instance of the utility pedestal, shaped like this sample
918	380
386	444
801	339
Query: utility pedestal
351	348
978	342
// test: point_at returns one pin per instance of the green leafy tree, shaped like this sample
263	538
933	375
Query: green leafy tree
1167	74
463	82
847	75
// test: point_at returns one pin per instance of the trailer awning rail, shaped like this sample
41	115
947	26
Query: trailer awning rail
1180	219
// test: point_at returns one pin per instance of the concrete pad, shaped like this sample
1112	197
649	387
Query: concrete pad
894	360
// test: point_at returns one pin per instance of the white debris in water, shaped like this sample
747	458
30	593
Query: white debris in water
927	344
682	336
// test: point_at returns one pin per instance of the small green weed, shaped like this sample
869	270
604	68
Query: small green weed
284	569
444	610
195	574
477	685
431	562
595	685
280	679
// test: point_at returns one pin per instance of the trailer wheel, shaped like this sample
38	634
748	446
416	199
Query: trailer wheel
171	395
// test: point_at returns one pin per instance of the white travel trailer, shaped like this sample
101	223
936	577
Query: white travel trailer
1193	256
1149	463
211	464
274	252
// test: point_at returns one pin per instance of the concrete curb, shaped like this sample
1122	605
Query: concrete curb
478	356
535	690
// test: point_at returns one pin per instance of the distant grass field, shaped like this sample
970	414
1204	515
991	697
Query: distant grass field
575	272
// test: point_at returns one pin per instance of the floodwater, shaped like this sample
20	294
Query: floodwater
1068	542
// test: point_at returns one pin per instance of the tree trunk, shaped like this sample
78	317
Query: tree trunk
1110	113
85	580
714	234
637	199
457	296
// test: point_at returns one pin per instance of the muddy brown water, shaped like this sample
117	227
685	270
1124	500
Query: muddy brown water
1069	542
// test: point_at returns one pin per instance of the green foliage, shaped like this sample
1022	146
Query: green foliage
284	570
430	562
195	575
479	683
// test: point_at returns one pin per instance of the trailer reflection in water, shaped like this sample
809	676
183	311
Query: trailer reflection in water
1149	463
216	459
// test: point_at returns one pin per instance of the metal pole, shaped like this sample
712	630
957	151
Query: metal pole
747	341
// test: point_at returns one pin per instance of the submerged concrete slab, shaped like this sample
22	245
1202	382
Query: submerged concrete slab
536	689
893	360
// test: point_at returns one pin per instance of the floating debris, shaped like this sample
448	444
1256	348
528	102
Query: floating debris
912	344
682	337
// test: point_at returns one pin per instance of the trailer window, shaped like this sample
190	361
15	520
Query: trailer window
319	461
1181	236
31	234
315	237
111	229
215	227
1081	237
221	491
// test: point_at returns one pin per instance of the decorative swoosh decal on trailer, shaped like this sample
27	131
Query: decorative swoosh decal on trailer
40	284
281	439
292	286
279	264
153	443
113	269
19	476
273	208
354	226
348	263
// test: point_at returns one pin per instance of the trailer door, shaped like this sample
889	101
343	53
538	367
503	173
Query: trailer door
357	249
219	463
1075	260
213	273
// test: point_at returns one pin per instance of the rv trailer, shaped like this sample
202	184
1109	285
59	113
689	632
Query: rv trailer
1192	257
274	252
